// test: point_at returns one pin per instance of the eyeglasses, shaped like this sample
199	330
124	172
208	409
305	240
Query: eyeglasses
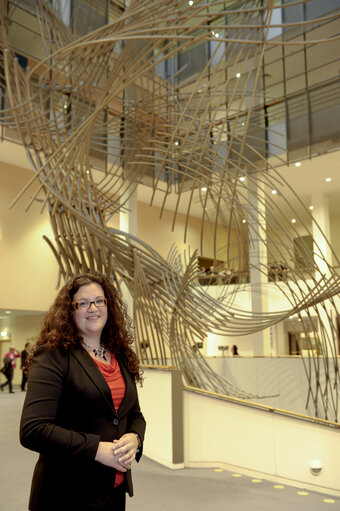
86	304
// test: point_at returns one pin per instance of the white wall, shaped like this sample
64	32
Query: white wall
28	270
259	442
253	441
157	400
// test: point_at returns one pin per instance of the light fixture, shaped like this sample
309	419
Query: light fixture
274	192
191	2
238	75
298	164
217	34
328	179
204	188
244	221
315	467
293	220
242	178
311	207
8	312
176	142
4	333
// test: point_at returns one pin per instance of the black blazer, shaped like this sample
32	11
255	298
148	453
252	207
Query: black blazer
67	411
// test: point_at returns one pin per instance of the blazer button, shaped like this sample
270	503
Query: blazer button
115	422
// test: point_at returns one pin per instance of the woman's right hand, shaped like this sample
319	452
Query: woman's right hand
106	457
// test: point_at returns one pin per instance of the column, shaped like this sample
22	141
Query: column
258	262
128	222
323	260
321	234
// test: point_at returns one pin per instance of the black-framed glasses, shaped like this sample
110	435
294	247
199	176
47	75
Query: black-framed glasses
86	304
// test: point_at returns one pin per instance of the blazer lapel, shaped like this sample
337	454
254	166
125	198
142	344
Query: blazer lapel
90	367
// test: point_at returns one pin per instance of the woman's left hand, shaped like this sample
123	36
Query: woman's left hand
125	448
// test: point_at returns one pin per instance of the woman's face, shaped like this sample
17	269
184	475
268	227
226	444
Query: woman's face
90	321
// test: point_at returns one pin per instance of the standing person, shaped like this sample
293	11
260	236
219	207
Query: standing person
24	356
9	366
234	350
81	411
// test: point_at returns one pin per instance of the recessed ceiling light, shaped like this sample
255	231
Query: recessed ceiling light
176	142
293	220
274	192
244	221
328	179
238	75
204	188
191	2
298	164
311	207
242	178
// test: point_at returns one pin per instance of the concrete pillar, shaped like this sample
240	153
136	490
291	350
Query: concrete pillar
323	260
321	233
128	216
128	222
258	262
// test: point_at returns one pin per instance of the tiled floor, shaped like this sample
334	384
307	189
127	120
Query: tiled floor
197	489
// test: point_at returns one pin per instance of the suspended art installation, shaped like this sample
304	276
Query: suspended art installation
170	94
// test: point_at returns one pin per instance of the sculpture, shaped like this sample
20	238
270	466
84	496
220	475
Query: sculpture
97	116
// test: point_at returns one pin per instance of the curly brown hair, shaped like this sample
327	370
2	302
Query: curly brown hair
59	328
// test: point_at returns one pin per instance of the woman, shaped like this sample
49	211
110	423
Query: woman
8	368
81	411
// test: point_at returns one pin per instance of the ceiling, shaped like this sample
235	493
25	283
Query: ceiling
15	313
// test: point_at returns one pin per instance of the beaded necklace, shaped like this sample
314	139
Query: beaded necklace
98	352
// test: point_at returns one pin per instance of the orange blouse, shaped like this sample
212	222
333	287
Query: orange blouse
116	383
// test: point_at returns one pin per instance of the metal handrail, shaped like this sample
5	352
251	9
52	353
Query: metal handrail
236	400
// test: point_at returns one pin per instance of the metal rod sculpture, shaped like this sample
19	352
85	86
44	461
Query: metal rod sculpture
97	117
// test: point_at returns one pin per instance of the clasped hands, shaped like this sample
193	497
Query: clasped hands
119	454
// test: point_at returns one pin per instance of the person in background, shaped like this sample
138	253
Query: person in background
234	350
203	276
81	411
24	356
9	366
211	271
